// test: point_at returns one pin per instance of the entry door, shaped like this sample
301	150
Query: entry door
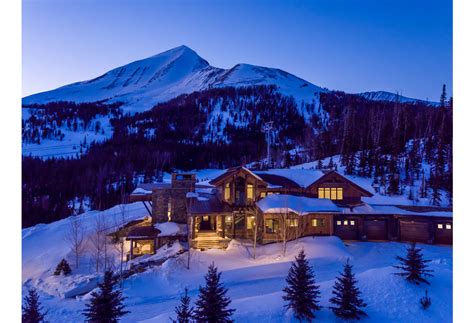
205	223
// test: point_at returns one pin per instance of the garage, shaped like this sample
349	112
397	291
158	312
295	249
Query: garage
444	233
414	231
346	229
376	229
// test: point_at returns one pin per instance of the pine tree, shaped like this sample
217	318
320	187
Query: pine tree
414	267
106	306
425	301
184	312
302	293
32	310
346	298
63	267
212	304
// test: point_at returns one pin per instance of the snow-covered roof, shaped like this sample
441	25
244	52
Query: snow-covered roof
139	191
281	203
302	177
170	229
393	209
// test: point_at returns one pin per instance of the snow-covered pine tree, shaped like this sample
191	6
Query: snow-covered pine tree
213	305
32	310
106	305
302	293
184	312
346	299
413	266
63	267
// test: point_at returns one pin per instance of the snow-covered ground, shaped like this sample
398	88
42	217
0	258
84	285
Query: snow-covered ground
254	284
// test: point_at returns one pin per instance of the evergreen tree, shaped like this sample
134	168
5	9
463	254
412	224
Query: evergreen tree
346	299
184	312
63	267
212	304
302	293
425	301
413	266
32	310
106	306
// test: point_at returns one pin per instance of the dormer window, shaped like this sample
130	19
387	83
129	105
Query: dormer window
227	192
332	193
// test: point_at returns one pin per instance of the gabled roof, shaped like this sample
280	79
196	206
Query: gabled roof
143	232
206	203
343	178
232	171
278	181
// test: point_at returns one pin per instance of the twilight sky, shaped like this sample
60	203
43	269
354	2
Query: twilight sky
349	45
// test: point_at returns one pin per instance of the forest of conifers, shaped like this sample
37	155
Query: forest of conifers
219	128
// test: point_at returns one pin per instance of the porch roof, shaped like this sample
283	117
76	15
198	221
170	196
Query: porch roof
207	203
282	203
143	232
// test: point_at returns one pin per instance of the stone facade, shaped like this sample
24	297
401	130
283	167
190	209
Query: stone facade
169	202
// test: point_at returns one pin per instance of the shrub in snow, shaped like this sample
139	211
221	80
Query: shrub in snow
184	312
425	301
212	304
346	300
32	310
413	266
302	293
106	305
63	267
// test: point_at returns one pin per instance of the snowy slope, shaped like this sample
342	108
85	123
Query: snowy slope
159	78
255	285
392	97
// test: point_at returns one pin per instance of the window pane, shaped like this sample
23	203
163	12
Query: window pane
346	222
338	222
321	193
448	226
250	222
227	192
321	222
440	226
339	194
353	222
250	191
333	194
327	193
314	222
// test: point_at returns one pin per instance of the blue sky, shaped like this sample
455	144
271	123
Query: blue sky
349	45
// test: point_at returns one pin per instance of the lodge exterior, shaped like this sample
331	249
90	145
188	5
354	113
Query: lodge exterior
273	205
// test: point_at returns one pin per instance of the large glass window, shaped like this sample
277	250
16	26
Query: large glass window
317	222
169	211
250	222
250	189
333	193
271	226
227	192
292	222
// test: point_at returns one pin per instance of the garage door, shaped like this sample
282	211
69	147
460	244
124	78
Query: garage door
346	229
414	231
444	233
376	229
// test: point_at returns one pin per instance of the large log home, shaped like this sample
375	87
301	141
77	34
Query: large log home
276	205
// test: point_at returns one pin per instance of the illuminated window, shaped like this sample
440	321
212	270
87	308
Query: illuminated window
321	193
271	226
227	192
250	222
263	194
440	226
228	219
353	223
249	191
346	222
205	218
169	211
318	222
292	222
269	193
338	222
448	226
333	193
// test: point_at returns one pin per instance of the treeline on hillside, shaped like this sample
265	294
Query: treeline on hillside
389	141
46	121
220	128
